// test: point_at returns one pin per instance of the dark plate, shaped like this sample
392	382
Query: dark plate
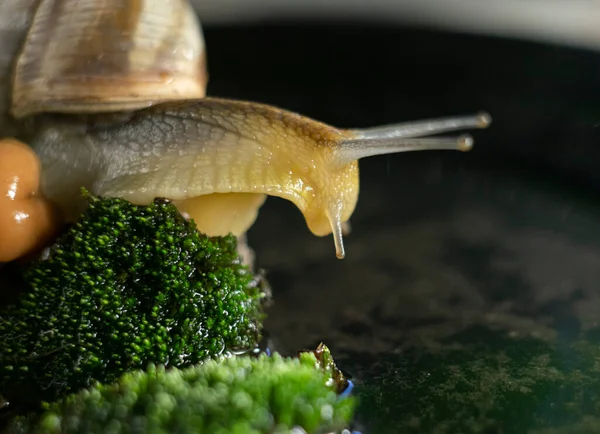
470	295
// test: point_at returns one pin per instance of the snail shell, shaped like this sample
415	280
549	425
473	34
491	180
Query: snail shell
15	19
92	56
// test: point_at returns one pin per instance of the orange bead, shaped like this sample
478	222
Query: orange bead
28	221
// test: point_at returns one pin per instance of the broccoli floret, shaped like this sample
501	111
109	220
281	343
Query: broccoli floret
237	395
123	287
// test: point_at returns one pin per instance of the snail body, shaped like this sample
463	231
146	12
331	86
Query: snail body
122	133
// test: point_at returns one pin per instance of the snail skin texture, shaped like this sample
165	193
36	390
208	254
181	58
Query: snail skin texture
28	221
111	96
218	159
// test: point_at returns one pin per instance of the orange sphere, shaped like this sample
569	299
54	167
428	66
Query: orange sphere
28	221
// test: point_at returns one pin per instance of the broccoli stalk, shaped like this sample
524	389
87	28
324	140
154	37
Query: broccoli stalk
236	395
124	287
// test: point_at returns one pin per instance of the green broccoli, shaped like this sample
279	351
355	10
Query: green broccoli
124	287
236	395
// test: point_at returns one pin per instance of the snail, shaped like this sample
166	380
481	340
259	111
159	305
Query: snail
111	95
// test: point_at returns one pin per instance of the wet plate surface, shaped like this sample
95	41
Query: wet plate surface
469	306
